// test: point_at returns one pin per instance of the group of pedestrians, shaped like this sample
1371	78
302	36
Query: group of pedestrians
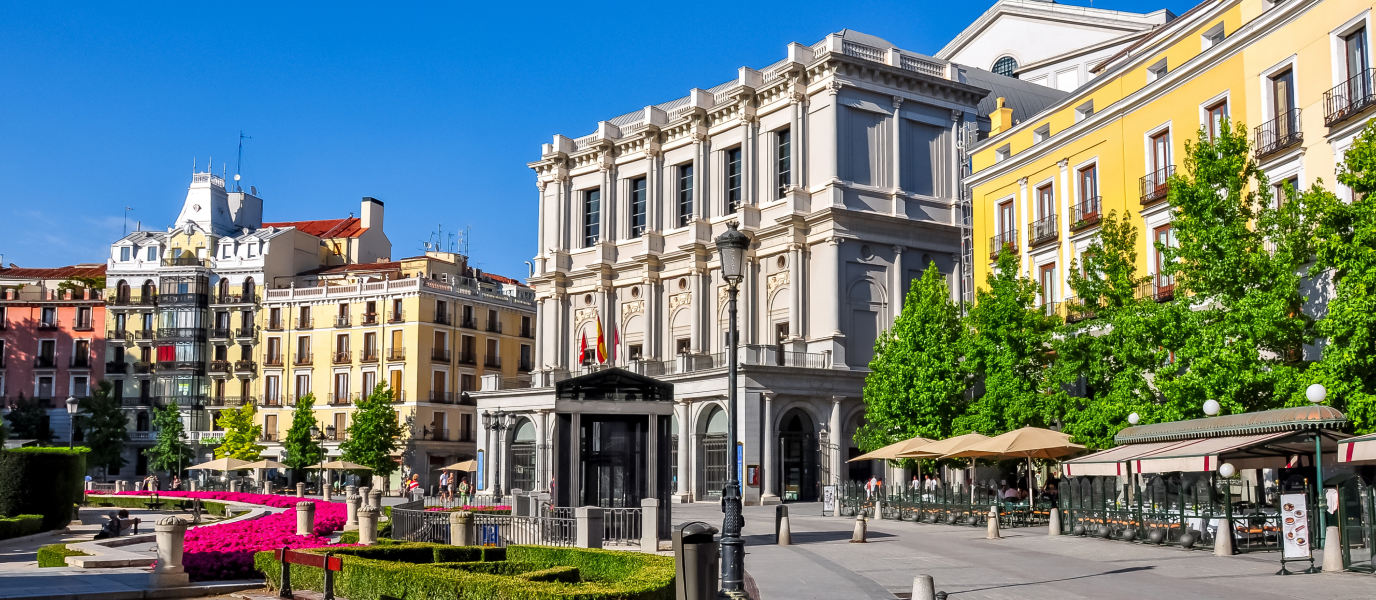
451	491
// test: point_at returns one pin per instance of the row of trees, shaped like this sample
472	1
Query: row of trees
373	435
1241	261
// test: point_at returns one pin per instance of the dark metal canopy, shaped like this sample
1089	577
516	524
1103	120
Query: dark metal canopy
1267	421
614	384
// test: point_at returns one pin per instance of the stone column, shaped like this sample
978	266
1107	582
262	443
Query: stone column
589	521
684	408
835	438
771	495
367	525
363	492
896	164
305	518
374	500
170	534
300	490
195	485
351	504
649	525
488	462
461	529
234	487
900	290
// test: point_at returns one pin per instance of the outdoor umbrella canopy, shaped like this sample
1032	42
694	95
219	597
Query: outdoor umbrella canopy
1028	442
464	465
262	464
944	447
891	451
343	465
222	464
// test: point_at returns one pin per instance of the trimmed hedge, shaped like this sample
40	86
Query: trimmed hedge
46	481
214	508
55	555
430	572
19	526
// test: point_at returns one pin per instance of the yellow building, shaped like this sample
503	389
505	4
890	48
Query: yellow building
1296	73
428	327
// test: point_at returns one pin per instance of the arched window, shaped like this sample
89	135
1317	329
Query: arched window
523	457
715	459
122	292
148	291
249	291
224	290
1005	66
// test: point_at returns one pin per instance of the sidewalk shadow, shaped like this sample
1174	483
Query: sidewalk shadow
1113	572
812	537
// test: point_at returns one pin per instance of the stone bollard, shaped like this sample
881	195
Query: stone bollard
375	499
1332	555
363	493
234	487
1223	540
351	504
300	490
924	588
878	507
305	518
858	537
589	533
784	534
1055	522
993	533
90	485
195	510
367	525
170	534
195	485
461	529
350	490
120	486
649	523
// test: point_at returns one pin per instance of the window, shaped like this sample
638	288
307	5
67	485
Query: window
303	348
783	168
152	253
637	207
1005	218
44	389
635	351
79	387
1214	118
733	179
1165	236
685	194
1089	192
369	381
592	216
228	251
1046	202
1159	156
1041	134
124	253
252	250
394	382
683	345
1084	111
341	386
1003	153
272	388
1279	190
1213	37
303	385
1355	53
1156	71
1047	279
1283	93
1005	66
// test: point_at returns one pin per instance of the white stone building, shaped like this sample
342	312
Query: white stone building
840	162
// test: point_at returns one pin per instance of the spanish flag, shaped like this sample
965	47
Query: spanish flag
601	342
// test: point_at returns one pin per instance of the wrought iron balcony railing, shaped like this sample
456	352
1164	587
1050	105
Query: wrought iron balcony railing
1278	134
1007	240
1042	230
1085	214
1156	185
1349	98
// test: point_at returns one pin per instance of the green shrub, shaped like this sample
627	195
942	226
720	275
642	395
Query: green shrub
384	530
458	554
620	575
20	526
348	537
168	502
55	555
46	481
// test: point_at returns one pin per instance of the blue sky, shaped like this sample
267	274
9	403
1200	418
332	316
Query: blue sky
433	109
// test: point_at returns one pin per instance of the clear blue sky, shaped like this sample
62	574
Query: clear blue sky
433	110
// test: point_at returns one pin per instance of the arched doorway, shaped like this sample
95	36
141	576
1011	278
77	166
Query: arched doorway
798	457
716	463
523	457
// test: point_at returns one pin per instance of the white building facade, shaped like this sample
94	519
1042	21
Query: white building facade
840	163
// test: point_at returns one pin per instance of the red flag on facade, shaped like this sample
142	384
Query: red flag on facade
616	341
583	349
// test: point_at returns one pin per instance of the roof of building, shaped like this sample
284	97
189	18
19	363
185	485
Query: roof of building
82	270
1266	421
1025	98
506	280
326	228
373	266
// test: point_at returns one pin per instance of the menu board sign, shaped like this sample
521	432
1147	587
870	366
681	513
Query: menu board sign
1294	526
829	498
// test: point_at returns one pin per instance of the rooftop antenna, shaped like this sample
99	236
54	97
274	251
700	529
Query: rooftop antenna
126	217
239	166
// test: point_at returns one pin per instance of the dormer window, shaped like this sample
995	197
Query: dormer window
252	250
1003	153
152	253
228	251
1156	71
1084	111
124	253
1041	134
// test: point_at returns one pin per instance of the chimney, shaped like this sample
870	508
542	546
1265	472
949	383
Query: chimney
1001	119
371	213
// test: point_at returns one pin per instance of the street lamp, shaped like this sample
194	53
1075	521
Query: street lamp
1134	419
1316	394
321	437
1212	407
731	245
72	408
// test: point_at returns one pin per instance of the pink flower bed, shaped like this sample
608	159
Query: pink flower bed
225	551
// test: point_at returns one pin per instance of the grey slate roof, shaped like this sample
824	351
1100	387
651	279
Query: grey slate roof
1026	99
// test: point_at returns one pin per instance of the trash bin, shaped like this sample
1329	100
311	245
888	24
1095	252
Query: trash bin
696	561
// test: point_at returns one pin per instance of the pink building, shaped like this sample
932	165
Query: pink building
52	335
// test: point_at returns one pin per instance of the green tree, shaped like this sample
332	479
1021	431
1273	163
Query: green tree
1009	349
1345	245
916	383
170	452
29	420
1236	266
1114	345
374	434
105	427
241	435
302	450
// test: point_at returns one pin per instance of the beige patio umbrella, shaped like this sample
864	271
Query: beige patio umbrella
264	464
222	464
463	465
343	465
1028	442
944	447
891	451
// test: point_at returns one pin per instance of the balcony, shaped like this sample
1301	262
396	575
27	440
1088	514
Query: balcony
468	357
340	399
84	325
219	333
368	356
1278	134
45	362
468	323
396	316
439	355
233	299
438	435
396	354
275	325
492	361
144	368
272	400
1160	288
343	358
1348	99
1007	240
343	321
303	359
245	367
1156	185
116	367
525	366
273	360
370	318
183	299
1076	310
1050	309
182	333
145	335
181	365
305	323
269	436
188	400
186	261
245	333
442	319
1085	214
115	336
1042	231
48	325
142	436
494	326
527	332
80	362
445	397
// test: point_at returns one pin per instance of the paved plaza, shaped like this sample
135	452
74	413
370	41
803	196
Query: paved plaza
1026	565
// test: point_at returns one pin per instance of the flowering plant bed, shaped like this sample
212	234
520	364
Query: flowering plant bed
225	551
500	509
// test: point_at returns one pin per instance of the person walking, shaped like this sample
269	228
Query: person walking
464	491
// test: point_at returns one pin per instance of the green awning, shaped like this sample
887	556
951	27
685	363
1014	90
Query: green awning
1282	419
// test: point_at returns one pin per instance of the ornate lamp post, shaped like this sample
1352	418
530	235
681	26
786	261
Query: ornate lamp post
73	407
1316	394
320	436
732	245
497	421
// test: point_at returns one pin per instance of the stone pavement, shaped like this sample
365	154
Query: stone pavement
1027	564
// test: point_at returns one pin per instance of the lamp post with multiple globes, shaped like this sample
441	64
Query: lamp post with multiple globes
497	421
731	245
